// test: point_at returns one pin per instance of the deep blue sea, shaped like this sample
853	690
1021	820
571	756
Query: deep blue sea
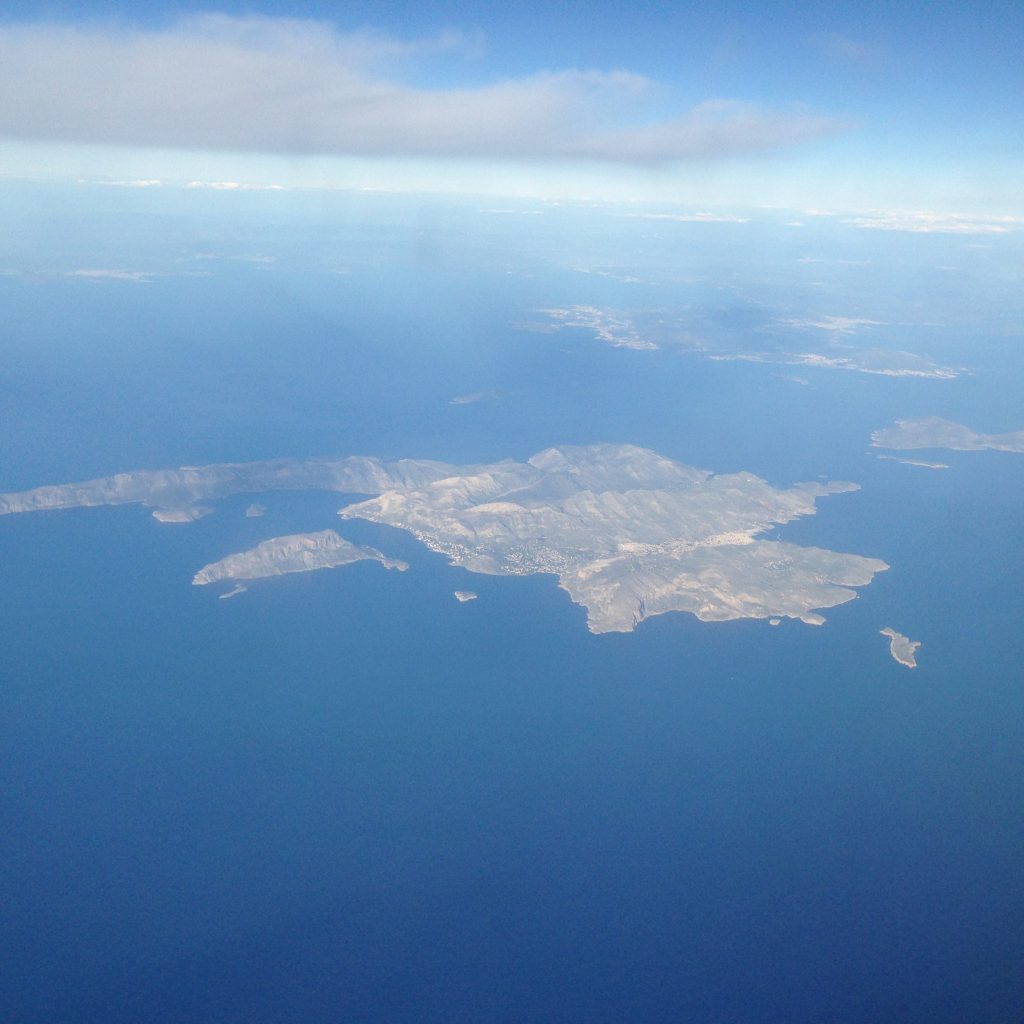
345	797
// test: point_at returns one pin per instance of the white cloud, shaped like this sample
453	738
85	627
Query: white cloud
837	46
138	276
234	186
134	183
475	398
925	222
294	86
697	218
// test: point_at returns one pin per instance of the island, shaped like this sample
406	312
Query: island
189	514
628	533
182	489
606	326
923	463
902	648
645	330
883	362
935	432
462	596
298	552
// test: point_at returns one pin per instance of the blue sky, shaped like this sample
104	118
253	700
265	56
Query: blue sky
864	106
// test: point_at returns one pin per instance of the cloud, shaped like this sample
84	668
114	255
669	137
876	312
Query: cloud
475	397
234	186
298	86
697	218
134	183
712	128
138	276
839	47
926	222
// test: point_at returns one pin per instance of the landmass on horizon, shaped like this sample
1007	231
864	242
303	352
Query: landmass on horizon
824	342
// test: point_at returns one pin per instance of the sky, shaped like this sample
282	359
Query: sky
854	107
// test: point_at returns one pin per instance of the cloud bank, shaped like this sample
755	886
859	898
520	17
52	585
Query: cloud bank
295	86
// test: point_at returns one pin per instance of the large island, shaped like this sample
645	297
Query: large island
628	533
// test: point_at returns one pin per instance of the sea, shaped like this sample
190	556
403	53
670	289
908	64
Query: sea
343	796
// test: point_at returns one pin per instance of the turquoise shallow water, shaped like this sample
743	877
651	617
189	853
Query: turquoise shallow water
345	796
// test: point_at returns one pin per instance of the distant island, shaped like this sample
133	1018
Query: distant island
628	533
819	340
935	432
181	515
914	462
463	596
902	648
